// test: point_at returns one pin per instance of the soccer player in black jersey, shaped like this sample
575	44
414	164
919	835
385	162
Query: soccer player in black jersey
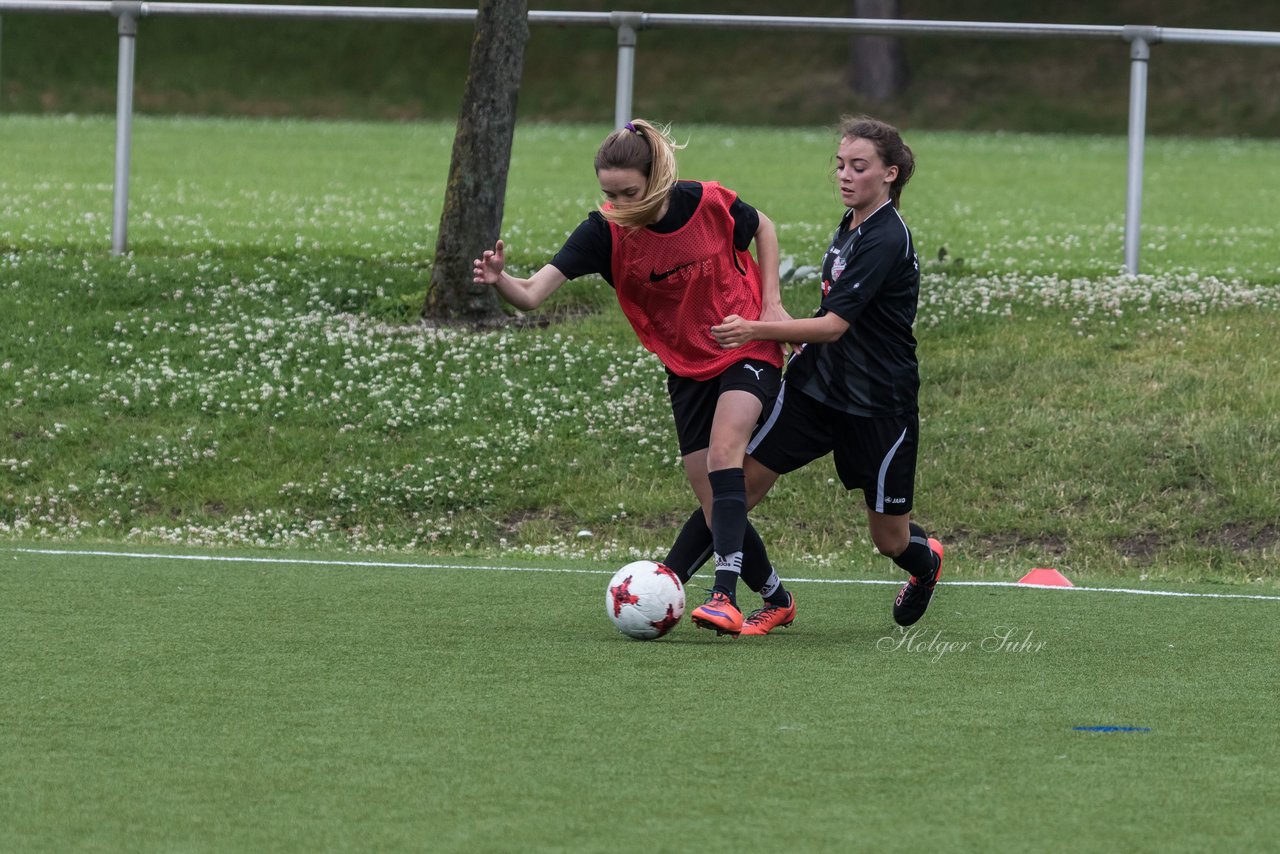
852	387
677	255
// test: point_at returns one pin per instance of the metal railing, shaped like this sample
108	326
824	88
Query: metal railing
628	24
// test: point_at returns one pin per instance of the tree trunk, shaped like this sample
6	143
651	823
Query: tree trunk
473	200
877	65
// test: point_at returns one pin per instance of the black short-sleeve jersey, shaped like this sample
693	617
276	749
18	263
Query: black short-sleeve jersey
870	278
589	248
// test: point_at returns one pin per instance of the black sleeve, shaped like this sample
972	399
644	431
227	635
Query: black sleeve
588	250
746	222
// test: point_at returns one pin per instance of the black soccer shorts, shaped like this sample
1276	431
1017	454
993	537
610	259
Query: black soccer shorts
693	402
876	455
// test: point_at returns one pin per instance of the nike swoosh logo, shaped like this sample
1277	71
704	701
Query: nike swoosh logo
655	276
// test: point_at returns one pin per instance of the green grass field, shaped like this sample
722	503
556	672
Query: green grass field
224	704
253	373
250	387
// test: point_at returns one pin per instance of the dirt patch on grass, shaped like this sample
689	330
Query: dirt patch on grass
1140	546
1242	538
1006	542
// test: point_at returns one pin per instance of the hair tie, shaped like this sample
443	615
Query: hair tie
629	126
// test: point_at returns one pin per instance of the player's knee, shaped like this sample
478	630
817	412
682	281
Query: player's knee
890	543
725	456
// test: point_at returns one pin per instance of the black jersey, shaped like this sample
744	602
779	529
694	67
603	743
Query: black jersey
590	248
870	278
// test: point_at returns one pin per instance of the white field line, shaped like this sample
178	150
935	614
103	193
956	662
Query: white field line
371	564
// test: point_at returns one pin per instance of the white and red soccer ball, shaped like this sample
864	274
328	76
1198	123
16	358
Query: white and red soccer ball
645	600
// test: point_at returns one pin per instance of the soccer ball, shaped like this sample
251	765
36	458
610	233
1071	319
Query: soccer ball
645	600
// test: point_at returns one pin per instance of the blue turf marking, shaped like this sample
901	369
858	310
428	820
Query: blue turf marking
1112	728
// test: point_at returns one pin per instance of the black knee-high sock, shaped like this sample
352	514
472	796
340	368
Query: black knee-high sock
758	573
755	559
691	548
728	526
918	559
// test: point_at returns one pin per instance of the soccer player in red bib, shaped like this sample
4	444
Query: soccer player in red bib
677	254
852	389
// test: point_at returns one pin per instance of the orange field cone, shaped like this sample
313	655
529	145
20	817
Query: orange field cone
1045	578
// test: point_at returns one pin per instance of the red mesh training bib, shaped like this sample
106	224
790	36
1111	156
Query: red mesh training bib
674	287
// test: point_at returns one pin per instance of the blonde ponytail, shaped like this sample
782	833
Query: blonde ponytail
650	150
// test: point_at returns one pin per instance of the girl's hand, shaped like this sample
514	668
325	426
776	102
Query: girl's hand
487	269
773	313
732	332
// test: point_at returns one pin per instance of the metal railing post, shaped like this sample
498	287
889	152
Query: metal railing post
1140	41
127	15
627	24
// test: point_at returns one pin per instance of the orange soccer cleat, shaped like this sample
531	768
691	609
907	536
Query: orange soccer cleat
770	617
719	614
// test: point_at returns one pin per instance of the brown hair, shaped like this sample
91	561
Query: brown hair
889	145
650	150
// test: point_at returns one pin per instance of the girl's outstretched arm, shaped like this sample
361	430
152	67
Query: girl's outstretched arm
734	331
524	294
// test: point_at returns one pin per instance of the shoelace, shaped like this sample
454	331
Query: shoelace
758	615
712	594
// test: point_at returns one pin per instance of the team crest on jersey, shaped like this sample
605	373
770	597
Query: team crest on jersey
838	264
837	267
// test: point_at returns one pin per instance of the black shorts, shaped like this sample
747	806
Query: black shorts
693	402
876	455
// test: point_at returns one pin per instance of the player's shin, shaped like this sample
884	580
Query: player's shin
692	547
728	526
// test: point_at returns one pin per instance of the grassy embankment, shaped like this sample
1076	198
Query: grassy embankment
251	373
213	66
